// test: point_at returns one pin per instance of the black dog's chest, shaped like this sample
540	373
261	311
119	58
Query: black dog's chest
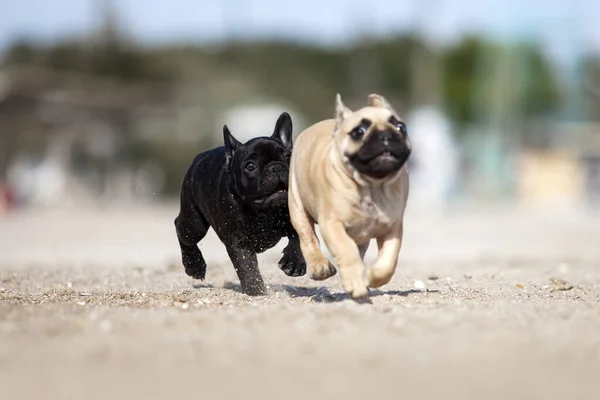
265	230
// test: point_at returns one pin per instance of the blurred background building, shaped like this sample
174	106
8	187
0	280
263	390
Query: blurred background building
108	101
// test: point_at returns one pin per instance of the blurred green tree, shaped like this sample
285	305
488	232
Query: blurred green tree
469	69
591	68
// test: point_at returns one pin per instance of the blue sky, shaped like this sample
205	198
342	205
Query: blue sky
565	27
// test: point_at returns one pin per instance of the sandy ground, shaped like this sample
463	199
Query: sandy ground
487	303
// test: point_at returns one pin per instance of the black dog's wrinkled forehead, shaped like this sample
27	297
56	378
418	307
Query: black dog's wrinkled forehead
264	148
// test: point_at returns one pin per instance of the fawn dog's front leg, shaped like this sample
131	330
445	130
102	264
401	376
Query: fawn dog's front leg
389	247
347	256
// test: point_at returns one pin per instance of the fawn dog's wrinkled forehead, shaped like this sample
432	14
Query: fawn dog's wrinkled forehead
370	118
377	114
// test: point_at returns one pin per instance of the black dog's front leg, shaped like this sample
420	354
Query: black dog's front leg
190	230
292	263
246	266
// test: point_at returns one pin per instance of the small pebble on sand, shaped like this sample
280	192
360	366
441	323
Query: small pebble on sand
419	285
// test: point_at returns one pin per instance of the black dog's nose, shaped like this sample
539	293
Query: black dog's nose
279	170
277	167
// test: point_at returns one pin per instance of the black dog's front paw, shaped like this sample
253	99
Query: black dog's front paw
255	289
194	263
293	264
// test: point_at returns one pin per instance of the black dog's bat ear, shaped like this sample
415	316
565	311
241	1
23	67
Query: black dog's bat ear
231	144
283	130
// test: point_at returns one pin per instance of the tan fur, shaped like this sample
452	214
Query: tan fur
350	209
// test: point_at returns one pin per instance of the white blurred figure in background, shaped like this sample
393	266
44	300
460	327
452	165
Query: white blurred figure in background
37	183
253	120
434	158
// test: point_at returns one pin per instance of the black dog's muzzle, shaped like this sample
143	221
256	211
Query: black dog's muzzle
274	184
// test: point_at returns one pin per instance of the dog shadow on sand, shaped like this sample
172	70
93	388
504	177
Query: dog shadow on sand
319	294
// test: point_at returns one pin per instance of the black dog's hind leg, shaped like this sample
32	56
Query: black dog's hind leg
292	263
191	227
246	266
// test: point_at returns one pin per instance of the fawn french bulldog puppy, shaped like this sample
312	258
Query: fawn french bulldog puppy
349	175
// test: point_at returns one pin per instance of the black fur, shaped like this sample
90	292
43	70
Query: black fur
240	190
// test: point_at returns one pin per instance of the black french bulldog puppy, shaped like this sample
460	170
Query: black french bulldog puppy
241	191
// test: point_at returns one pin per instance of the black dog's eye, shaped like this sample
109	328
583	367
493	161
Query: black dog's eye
358	133
250	166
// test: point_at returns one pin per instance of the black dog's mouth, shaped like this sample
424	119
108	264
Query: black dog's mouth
278	196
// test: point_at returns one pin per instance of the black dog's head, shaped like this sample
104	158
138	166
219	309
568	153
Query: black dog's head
259	168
